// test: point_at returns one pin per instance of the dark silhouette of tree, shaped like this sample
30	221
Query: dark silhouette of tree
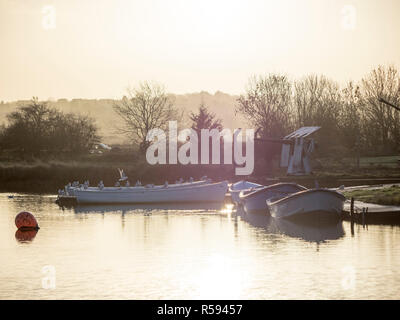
144	108
36	128
318	102
267	104
204	119
350	120
382	123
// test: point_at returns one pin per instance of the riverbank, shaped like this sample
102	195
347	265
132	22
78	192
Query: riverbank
389	195
47	177
40	178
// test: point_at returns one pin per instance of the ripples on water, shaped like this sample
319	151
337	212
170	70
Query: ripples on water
189	252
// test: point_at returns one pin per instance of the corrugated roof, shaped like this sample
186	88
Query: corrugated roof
302	132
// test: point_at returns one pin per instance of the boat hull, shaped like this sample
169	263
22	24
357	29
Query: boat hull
196	193
316	203
238	187
235	195
255	201
71	190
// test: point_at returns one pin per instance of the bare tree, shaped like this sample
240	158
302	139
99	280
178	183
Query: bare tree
267	104
351	122
351	119
389	104
382	121
144	108
318	102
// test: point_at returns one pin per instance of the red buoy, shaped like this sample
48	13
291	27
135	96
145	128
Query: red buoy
26	220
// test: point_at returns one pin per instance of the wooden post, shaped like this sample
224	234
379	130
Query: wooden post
351	216
363	217
351	208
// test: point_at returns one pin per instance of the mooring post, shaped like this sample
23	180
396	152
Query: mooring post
363	217
351	208
351	216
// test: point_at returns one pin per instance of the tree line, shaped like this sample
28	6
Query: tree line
352	118
36	129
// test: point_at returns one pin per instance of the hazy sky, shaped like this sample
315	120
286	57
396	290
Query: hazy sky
95	49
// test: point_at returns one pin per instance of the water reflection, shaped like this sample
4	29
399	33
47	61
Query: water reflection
311	231
187	207
189	252
25	236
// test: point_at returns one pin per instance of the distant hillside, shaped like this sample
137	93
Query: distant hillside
222	104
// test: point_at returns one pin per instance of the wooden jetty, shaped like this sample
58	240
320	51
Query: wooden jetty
370	213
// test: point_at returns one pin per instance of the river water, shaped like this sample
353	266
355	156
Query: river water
189	252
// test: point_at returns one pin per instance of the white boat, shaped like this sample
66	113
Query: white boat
236	188
177	193
70	189
255	201
313	203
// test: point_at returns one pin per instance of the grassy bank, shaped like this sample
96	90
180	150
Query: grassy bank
385	196
47	176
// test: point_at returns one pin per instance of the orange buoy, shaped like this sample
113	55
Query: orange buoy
26	220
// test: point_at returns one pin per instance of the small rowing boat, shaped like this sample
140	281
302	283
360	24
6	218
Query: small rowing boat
313	203
236	188
255	201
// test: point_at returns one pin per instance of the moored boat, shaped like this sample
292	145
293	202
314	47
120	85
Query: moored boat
236	188
255	201
70	189
313	203
177	193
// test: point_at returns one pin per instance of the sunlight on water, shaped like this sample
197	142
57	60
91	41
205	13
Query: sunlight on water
189	252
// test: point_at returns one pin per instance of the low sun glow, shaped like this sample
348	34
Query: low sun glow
220	279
